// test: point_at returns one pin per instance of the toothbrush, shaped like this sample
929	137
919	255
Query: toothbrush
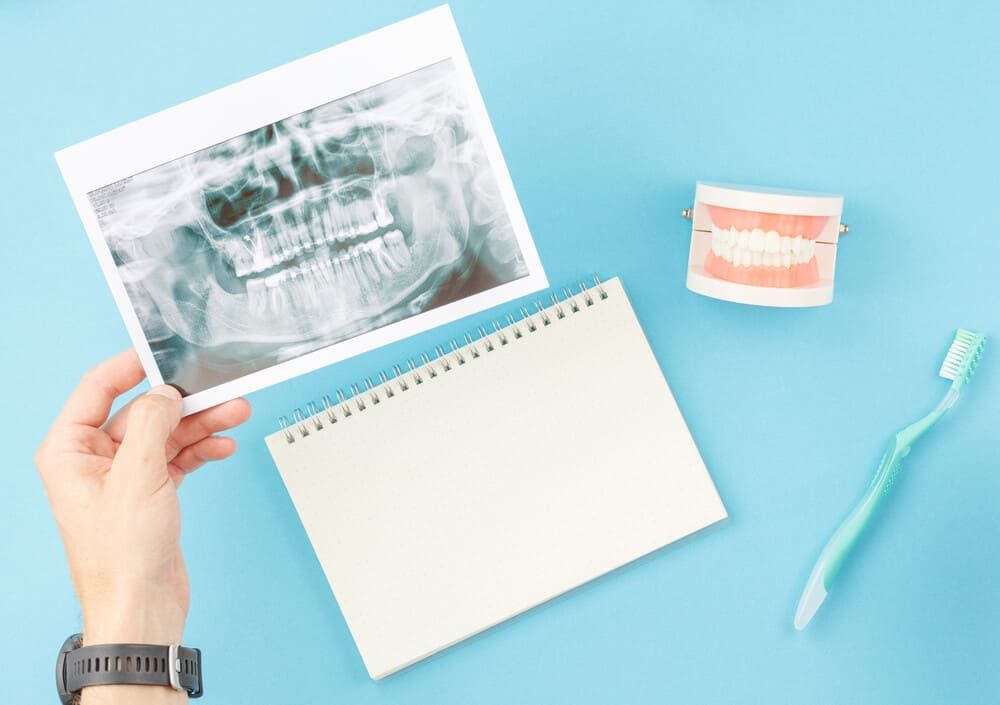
958	365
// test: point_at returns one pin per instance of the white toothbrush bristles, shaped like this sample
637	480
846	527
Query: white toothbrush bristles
962	355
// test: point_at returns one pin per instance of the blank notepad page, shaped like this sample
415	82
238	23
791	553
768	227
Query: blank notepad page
488	488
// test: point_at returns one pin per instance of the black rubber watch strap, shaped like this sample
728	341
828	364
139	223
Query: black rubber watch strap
132	664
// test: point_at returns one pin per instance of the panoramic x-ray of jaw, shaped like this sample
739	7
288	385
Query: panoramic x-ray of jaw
311	230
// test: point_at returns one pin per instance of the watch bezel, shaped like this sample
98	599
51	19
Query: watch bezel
72	643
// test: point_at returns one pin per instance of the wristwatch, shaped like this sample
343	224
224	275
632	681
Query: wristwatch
78	666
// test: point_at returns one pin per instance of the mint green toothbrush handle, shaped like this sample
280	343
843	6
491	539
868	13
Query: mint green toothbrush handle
847	534
836	550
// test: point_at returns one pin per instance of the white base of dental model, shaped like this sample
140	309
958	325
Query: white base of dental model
819	294
763	246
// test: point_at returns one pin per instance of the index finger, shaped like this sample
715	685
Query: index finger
90	403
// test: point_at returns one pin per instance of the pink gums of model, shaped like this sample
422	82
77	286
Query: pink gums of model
764	249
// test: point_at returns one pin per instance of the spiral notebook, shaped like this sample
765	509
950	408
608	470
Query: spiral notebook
510	469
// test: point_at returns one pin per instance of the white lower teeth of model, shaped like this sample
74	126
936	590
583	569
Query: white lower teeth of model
753	248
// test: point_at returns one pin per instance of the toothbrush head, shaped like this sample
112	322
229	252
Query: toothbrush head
962	357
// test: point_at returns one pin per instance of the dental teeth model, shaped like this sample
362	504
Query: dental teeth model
763	246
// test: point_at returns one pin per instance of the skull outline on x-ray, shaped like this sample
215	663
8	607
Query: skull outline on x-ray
311	230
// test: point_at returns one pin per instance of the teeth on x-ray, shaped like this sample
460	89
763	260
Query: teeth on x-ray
311	230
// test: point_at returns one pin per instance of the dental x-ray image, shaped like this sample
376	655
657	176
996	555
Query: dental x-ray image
311	230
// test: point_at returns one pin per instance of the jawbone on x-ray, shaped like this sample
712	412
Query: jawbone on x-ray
310	230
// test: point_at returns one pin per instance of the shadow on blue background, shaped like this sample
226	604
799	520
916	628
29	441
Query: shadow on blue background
607	115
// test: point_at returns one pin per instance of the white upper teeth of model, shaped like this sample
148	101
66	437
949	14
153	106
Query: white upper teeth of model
752	248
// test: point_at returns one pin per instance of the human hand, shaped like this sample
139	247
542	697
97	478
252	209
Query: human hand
113	490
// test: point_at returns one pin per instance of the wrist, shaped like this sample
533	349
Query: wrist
133	617
131	694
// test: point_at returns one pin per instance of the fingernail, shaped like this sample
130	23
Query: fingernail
165	390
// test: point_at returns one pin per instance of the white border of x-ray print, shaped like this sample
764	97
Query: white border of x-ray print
333	73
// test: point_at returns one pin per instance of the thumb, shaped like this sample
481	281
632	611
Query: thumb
142	457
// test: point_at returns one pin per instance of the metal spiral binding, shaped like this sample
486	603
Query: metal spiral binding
327	413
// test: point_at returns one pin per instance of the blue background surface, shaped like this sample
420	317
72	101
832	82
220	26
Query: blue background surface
607	114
